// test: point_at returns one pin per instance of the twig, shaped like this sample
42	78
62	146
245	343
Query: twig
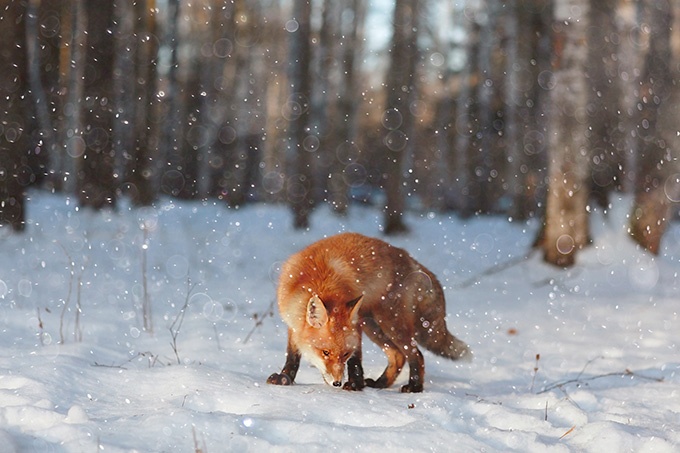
483	400
495	269
146	302
569	431
77	331
151	356
67	301
41	327
259	319
197	449
533	378
176	325
579	380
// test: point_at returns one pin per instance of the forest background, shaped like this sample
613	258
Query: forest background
519	107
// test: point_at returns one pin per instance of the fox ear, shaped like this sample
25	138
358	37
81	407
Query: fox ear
354	305
317	316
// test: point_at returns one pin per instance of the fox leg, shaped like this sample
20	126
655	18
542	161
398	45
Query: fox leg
416	365
355	372
395	358
290	368
397	352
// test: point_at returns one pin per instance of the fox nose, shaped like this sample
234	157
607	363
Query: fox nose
337	383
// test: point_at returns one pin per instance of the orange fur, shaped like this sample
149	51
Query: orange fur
336	288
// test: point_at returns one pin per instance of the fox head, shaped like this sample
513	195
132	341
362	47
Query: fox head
330	337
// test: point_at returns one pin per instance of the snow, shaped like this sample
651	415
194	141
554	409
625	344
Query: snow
584	359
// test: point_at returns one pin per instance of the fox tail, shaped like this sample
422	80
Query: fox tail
431	331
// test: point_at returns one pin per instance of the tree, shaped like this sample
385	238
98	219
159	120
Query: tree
299	184
565	229
397	118
141	168
605	104
525	128
47	47
484	156
657	183
171	107
96	186
13	109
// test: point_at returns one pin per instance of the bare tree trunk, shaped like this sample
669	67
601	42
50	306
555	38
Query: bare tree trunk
95	179
339	48
300	184
566	219
326	104
465	124
275	93
631	59
442	187
13	123
484	147
39	48
397	118
657	182
607	142
171	108
140	166
525	136
233	115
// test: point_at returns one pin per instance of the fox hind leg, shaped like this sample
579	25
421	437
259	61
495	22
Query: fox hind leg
416	365
398	352
395	357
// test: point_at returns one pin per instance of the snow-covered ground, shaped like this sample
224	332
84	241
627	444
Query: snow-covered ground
586	359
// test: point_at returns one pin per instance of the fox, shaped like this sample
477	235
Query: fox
340	286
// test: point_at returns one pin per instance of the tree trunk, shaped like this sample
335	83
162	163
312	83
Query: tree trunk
397	118
171	109
484	149
13	110
326	108
42	44
233	115
140	166
465	126
565	229
657	181
524	133
96	186
300	183
605	109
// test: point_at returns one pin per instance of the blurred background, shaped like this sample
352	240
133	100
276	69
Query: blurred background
472	106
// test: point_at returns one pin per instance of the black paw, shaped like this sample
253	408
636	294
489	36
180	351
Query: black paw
352	386
376	384
412	388
279	379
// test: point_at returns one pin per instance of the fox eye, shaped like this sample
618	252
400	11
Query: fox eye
326	352
346	356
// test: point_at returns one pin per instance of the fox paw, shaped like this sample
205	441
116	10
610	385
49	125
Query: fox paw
376	384
412	388
353	386
279	379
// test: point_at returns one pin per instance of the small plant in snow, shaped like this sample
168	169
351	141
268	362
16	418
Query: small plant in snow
176	325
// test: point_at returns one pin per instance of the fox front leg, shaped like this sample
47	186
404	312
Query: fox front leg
355	373
290	368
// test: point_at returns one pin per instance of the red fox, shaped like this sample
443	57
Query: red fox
335	288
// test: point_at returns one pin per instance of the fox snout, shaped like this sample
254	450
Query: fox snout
333	374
